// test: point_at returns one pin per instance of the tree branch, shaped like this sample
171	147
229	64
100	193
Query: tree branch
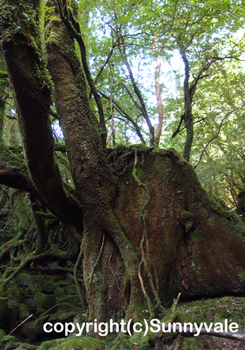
138	94
74	28
126	116
212	138
158	90
188	119
106	61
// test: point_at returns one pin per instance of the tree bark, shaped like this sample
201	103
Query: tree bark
23	49
93	179
150	232
188	119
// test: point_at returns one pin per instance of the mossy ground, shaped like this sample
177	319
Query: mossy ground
84	343
212	310
209	310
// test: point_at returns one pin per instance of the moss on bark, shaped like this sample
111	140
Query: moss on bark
197	250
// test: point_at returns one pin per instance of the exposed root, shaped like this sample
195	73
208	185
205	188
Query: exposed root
78	286
175	345
145	240
18	269
30	259
130	259
118	159
8	222
5	196
98	257
10	245
118	287
169	318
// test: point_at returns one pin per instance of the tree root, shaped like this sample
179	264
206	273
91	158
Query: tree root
145	240
30	259
169	318
118	287
78	286
175	345
98	257
8	246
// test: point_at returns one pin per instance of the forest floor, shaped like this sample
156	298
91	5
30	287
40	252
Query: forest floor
212	343
52	296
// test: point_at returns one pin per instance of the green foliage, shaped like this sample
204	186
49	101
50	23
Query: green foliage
212	37
46	13
2	334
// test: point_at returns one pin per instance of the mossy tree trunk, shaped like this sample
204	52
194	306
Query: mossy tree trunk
149	233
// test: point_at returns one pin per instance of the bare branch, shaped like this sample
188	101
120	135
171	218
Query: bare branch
106	61
138	94
158	90
126	116
212	138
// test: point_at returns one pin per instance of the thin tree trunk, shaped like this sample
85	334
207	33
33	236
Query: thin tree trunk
158	90
188	109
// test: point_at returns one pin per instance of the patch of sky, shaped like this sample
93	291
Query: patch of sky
12	112
57	131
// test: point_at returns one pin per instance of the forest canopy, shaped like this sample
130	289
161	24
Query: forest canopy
122	148
140	56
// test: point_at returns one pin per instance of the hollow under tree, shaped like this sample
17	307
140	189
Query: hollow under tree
149	229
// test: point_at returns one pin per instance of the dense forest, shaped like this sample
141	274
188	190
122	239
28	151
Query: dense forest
121	164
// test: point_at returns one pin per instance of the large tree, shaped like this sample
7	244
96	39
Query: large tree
146	228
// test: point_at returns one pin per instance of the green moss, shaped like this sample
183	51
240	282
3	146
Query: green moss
71	289
2	334
44	300
213	310
54	344
47	345
122	342
140	147
2	293
23	211
59	292
13	291
35	288
191	343
26	279
145	341
10	158
221	211
49	286
39	311
3	309
196	235
84	343
10	342
23	312
69	299
185	215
